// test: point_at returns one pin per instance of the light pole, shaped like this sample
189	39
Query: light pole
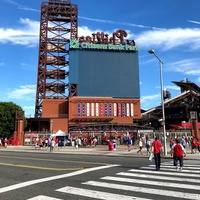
162	100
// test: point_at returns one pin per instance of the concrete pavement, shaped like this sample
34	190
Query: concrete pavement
121	151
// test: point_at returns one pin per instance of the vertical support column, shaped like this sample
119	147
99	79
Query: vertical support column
195	129
19	128
194	124
20	132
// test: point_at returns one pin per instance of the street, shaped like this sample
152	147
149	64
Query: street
38	176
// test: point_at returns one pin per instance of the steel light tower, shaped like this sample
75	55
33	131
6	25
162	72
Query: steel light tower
58	25
162	100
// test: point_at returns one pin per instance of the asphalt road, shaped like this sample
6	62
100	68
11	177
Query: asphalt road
20	167
36	176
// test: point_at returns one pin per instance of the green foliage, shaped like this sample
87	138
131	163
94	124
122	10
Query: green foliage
7	118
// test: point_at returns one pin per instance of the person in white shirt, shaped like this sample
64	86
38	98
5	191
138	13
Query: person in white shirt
140	146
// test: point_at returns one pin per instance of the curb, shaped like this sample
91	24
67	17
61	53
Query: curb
94	151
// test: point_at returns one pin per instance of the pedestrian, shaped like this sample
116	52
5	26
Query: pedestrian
171	143
49	143
5	142
56	144
78	142
52	147
128	143
148	145
194	145
46	142
198	145
178	153
156	149
183	142
140	146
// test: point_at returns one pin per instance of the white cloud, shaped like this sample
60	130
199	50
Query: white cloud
114	22
165	39
148	98
84	31
150	101
172	87
170	38
25	93
21	7
194	22
185	66
27	34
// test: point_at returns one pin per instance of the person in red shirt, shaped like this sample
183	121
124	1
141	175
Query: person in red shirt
178	153
194	145
156	149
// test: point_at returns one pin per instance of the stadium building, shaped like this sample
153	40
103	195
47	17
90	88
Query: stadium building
86	84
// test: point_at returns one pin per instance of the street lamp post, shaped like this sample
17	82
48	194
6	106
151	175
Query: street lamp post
162	100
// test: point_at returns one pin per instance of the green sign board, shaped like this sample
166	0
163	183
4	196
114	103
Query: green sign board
74	44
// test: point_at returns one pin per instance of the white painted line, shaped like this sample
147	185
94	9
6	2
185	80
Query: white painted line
32	182
173	169
41	197
185	167
144	190
97	194
148	176
149	182
162	172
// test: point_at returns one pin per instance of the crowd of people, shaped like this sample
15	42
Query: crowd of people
177	145
53	143
154	148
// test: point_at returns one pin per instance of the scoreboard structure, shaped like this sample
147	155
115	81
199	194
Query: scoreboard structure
104	80
86	83
104	90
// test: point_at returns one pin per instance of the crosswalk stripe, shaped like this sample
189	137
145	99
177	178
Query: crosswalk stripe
180	179
185	167
139	175
168	193
97	194
171	169
149	182
42	197
162	172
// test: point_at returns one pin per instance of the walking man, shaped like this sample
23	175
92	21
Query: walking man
156	149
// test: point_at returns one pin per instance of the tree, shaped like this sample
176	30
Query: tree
7	118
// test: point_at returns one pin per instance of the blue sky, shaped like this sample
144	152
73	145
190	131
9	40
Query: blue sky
171	28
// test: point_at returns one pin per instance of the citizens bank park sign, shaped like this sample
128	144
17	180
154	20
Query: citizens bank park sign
102	41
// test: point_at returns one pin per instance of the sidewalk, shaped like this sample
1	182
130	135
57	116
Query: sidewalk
121	151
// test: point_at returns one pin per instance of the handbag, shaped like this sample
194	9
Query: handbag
151	156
